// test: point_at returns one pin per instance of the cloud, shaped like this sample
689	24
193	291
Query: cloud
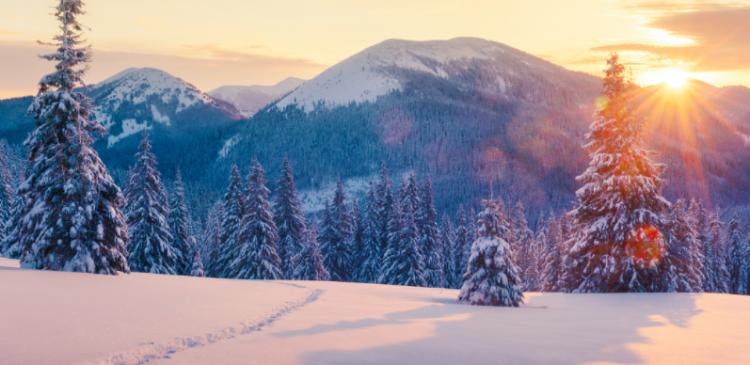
20	68
719	31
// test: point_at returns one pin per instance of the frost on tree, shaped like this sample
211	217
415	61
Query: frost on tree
179	222
738	259
429	237
369	269
335	236
308	263
7	196
680	272
403	263
618	243
233	210
255	255
70	215
211	236
151	239
290	221
196	267
491	277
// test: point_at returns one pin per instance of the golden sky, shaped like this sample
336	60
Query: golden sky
220	42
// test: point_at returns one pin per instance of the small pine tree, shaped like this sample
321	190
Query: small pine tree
553	257
357	243
255	256
679	272
385	202
717	275
403	263
335	237
70	217
290	220
211	237
697	219
308	263
617	242
521	240
491	277
179	223
461	248
196	267
7	196
370	267
738	258
151	239
233	212
429	237
448	242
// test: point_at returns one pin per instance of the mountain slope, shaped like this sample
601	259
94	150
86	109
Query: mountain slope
249	99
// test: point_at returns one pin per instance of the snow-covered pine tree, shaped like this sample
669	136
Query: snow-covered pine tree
461	248
429	242
369	269
179	223
308	263
521	239
699	221
290	220
618	244
738	258
151	239
196	267
385	202
553	256
255	256
679	274
403	263
409	194
717	274
447	243
473	230
357	243
7	196
491	276
335	237
70	215
210	240
233	212
535	260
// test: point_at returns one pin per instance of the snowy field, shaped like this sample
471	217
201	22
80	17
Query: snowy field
67	318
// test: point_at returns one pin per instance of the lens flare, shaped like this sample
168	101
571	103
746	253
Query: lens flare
647	246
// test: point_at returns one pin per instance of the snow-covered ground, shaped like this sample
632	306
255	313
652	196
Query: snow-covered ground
66	318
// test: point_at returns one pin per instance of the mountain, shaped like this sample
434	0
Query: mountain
249	99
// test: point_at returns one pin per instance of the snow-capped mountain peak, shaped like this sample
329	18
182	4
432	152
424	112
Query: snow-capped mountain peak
378	70
250	99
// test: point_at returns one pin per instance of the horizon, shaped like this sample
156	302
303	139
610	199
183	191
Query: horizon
656	39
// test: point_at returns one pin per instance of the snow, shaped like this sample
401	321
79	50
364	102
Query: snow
314	200
67	318
370	74
137	85
228	145
159	117
129	128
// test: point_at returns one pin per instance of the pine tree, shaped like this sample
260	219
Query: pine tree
335	237
553	257
255	256
370	267
521	239
232	214
738	258
385	204
448	244
491	277
462	248
357	243
308	263
179	223
429	237
7	196
699	221
70	218
618	242
290	220
403	263
409	194
211	237
680	275
151	239
717	274
196	267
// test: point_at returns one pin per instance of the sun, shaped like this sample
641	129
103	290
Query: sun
674	78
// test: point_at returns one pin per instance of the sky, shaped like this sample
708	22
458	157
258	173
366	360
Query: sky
244	42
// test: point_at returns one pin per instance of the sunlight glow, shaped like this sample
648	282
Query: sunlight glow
675	78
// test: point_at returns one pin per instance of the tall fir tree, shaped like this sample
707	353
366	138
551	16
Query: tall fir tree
699	221
738	258
255	255
716	272
385	205
151	240
448	244
491	276
70	214
403	263
308	263
7	194
521	240
680	273
179	223
290	220
210	239
357	242
370	267
618	243
553	257
461	248
335	237
233	211
429	236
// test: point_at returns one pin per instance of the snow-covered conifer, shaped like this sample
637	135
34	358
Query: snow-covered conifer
335	237
210	240
7	196
617	240
308	263
179	222
447	243
553	256
679	274
290	220
738	258
716	272
429	236
233	211
403	263
196	267
255	255
151	239
70	215
461	248
491	277
370	267
357	241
